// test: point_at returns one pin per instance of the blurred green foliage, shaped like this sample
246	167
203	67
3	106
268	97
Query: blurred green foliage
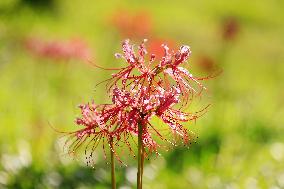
240	143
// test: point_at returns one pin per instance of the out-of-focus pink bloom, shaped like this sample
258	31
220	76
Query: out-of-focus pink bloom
206	63
135	25
72	49
230	28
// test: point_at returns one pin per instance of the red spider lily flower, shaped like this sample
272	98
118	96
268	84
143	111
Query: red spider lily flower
152	72
139	92
150	85
72	49
135	25
99	128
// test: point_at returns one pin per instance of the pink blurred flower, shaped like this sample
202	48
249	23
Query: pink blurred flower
137	25
206	63
60	50
230	28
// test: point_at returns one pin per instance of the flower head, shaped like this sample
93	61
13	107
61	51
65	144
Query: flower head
143	89
147	71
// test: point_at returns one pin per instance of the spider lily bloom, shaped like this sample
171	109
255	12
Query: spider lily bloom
72	49
147	89
142	90
106	124
152	72
118	122
99	129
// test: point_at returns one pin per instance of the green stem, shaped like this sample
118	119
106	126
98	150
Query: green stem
113	182
142	162
140	157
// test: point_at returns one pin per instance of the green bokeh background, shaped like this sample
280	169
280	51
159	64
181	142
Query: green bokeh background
240	143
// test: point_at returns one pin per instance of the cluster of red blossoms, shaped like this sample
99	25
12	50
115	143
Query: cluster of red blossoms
145	88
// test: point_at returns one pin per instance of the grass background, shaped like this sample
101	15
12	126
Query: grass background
240	143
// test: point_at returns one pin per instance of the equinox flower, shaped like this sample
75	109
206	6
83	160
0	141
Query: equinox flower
99	128
157	73
140	91
143	89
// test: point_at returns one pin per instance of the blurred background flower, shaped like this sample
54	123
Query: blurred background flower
58	50
132	24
